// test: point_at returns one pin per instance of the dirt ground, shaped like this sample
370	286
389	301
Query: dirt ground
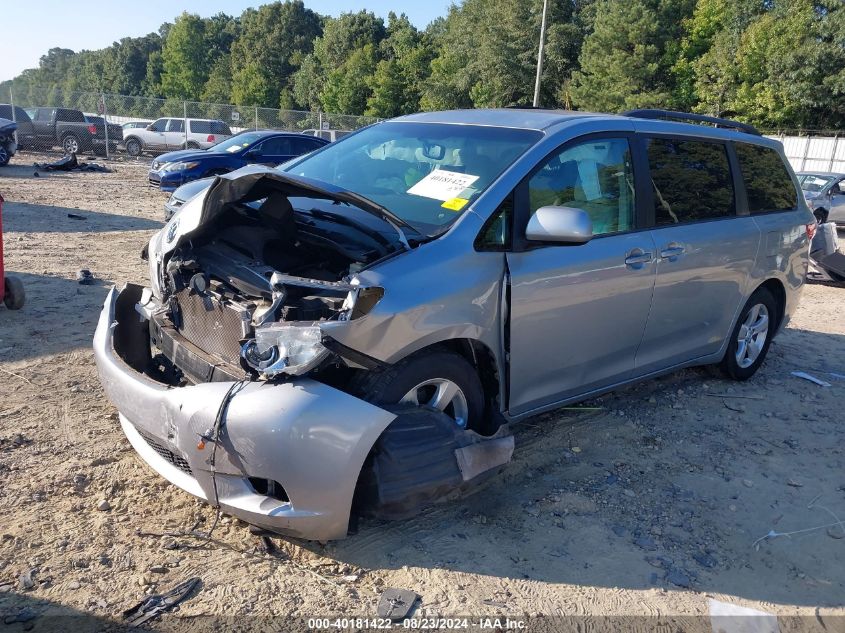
647	508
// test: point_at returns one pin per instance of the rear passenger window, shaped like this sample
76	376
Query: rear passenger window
692	181
595	176
200	127
768	185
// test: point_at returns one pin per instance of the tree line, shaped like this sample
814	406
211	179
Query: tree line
773	63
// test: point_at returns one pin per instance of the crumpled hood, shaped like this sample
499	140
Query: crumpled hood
247	184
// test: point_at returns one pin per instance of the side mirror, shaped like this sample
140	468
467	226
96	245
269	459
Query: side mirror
252	153
150	127
565	225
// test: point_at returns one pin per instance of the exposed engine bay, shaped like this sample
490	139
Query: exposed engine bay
246	290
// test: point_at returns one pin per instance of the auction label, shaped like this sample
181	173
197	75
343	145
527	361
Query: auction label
442	185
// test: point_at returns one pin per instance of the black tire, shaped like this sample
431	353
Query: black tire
193	145
5	156
390	385
71	144
15	295
731	365
134	146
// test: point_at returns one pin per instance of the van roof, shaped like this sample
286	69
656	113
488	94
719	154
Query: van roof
542	119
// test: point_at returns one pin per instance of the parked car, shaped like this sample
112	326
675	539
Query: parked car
328	135
68	129
8	146
824	192
173	169
26	133
488	264
184	193
169	134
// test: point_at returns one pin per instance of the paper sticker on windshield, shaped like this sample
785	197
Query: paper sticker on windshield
455	204
442	184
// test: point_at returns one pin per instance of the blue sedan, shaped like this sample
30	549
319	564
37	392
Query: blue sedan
173	169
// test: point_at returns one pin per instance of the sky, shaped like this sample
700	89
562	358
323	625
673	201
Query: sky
59	23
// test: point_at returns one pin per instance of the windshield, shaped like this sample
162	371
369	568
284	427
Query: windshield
425	173
236	143
814	182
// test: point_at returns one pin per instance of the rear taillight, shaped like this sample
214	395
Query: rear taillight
210	138
92	128
811	229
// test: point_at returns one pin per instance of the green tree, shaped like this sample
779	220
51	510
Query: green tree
626	60
272	40
347	88
185	60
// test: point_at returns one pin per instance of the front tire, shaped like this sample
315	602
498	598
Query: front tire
442	380
751	336
5	155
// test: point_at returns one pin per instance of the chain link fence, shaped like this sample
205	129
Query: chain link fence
64	122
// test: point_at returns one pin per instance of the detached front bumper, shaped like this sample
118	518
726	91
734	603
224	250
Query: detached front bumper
311	440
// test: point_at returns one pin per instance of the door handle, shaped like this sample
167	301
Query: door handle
638	258
672	252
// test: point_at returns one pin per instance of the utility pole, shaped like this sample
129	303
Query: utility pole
540	55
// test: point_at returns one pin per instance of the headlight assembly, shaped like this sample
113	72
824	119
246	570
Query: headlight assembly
181	166
280	348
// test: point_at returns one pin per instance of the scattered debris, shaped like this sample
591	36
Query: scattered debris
84	277
103	505
704	559
806	376
76	216
27	579
69	162
156	604
793	483
734	407
733	395
646	543
396	604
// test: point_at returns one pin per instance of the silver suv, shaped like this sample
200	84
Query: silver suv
339	329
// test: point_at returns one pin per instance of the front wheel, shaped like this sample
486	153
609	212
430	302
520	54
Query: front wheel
5	155
70	144
751	336
442	380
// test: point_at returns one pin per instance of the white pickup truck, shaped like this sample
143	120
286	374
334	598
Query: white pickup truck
168	134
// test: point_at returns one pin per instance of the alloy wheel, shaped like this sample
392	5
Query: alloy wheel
752	335
443	395
71	145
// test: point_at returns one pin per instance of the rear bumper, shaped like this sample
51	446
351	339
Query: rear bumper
308	437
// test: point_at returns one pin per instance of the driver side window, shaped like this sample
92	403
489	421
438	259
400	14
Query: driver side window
159	125
596	176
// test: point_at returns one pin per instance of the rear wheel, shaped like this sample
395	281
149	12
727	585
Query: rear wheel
14	296
751	336
442	380
70	144
193	145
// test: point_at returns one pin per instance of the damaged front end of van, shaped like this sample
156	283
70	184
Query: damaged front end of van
234	372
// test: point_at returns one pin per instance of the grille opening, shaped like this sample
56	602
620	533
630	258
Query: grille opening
268	488
170	456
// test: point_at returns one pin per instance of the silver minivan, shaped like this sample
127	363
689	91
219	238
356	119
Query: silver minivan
329	336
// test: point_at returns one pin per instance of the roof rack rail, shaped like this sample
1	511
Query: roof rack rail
685	116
